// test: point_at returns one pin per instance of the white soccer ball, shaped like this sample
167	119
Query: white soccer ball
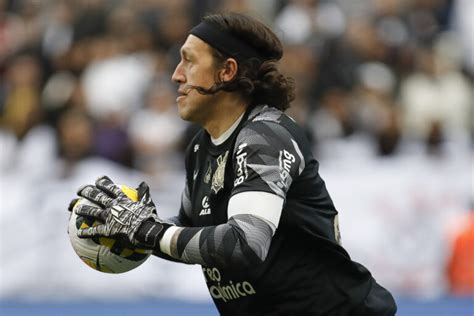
104	254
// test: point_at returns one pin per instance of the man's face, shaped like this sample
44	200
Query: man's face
196	68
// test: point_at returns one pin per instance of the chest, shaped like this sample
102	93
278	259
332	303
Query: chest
211	186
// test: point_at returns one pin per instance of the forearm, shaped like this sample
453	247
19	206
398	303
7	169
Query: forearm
162	255
243	241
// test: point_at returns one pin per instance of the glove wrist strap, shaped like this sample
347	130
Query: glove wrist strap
150	233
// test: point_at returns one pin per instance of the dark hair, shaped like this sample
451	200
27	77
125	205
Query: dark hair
258	80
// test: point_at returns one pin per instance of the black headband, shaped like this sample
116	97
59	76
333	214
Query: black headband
224	42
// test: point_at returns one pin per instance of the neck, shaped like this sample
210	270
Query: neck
226	111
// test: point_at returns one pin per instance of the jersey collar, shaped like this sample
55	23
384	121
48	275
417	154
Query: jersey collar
221	139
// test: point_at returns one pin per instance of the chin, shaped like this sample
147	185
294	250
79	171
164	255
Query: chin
186	118
184	113
193	110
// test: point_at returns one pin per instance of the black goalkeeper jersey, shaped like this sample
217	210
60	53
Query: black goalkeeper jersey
306	270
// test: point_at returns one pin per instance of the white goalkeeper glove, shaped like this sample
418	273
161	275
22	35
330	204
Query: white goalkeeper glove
135	223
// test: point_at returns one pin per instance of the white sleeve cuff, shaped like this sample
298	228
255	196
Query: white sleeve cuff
165	241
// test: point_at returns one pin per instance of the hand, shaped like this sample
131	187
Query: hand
121	217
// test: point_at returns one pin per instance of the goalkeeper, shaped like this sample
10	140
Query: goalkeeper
255	213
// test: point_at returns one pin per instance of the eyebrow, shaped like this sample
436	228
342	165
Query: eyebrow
186	52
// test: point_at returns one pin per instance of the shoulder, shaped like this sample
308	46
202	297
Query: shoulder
266	156
265	113
266	125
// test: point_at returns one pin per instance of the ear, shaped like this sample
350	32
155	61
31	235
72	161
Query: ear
229	71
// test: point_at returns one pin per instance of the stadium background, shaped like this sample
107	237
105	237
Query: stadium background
384	91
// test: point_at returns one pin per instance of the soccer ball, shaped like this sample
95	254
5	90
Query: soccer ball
104	254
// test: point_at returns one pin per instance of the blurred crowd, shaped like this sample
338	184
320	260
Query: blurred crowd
93	76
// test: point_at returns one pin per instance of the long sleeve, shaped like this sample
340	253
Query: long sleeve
243	241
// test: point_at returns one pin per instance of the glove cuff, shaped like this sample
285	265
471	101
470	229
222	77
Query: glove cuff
149	234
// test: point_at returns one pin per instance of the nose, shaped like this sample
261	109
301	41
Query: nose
178	75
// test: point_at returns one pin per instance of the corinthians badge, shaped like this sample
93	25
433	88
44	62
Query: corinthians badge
218	177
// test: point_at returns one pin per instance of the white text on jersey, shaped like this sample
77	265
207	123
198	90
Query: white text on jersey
242	172
206	209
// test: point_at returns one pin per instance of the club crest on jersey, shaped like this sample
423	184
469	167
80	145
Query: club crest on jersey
218	177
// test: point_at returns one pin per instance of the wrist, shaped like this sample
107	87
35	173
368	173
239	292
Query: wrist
149	233
169	241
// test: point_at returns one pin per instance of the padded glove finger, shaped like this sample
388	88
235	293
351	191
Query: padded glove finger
94	231
72	204
144	195
95	195
105	184
92	211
